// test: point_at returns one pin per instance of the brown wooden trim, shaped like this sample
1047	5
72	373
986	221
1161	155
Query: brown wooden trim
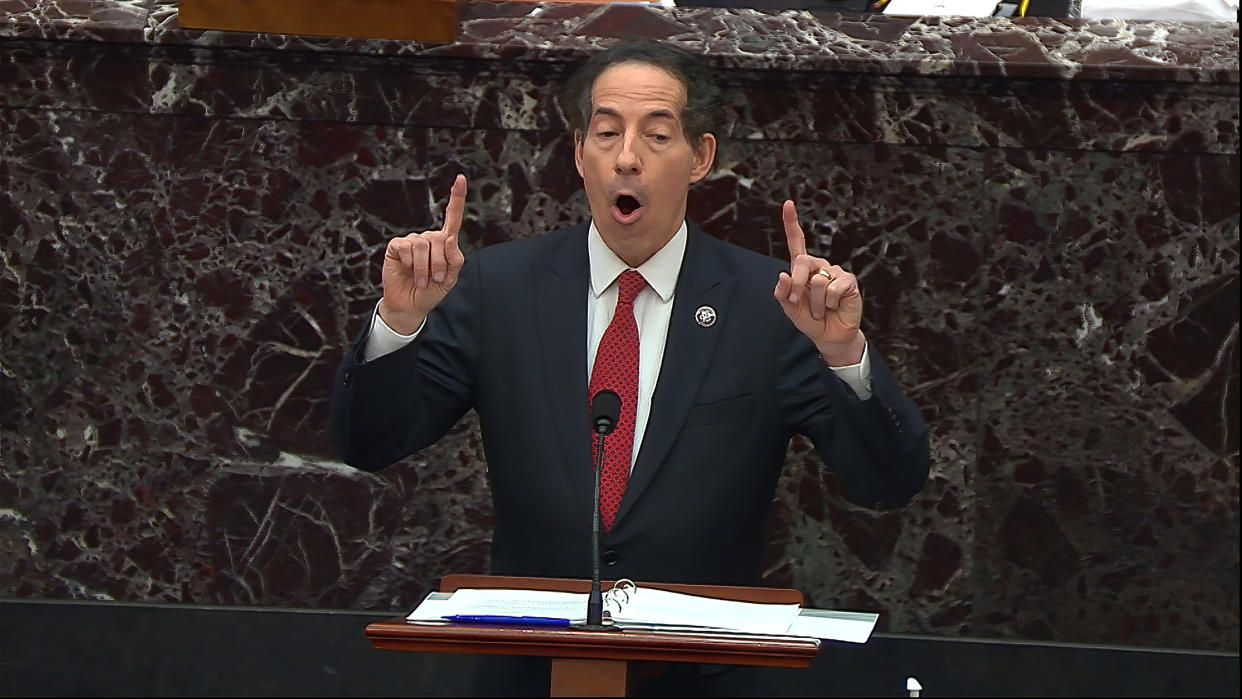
415	20
705	647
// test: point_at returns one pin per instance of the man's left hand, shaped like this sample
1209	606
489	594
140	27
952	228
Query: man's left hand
821	299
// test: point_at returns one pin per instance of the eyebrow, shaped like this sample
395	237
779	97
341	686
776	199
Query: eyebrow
658	113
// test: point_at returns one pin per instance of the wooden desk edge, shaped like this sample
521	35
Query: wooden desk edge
731	649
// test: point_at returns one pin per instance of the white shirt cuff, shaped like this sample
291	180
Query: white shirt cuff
857	376
384	340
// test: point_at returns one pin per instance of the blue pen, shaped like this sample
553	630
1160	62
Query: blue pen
507	620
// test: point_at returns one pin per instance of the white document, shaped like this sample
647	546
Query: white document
854	627
941	8
515	603
649	608
432	609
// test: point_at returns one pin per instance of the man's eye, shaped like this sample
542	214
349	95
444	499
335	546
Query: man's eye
660	138
606	134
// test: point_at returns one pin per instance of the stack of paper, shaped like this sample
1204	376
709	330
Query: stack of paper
473	602
649	608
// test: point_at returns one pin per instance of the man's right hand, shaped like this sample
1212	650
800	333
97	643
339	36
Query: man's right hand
421	268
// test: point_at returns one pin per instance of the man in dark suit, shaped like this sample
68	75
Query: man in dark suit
721	374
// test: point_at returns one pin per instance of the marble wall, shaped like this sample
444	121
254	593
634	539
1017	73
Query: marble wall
1044	216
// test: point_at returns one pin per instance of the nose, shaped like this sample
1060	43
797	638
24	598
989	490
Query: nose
628	162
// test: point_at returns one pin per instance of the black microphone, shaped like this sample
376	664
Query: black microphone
605	409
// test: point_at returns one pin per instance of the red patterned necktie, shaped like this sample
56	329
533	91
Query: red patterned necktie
616	368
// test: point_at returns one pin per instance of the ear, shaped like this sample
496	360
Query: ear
578	151
703	157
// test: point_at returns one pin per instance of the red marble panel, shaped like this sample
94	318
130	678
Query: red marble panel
1106	507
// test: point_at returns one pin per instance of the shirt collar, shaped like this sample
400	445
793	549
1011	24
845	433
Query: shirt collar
660	270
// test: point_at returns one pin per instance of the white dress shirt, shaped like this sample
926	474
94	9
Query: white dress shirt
653	307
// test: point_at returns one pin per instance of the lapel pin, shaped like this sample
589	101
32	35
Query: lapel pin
705	316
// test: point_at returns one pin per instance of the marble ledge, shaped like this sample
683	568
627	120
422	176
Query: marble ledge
736	39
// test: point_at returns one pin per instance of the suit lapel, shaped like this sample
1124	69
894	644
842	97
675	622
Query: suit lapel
561	298
687	354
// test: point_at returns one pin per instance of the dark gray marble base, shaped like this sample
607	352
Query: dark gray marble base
55	648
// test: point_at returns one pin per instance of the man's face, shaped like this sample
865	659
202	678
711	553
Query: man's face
636	161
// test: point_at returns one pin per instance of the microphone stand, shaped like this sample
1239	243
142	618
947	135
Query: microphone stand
595	601
605	408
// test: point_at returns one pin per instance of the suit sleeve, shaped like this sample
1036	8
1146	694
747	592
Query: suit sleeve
877	447
386	409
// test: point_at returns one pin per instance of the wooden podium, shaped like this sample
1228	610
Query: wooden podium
599	663
417	20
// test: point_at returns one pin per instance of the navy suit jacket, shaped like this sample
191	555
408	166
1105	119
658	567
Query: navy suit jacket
510	342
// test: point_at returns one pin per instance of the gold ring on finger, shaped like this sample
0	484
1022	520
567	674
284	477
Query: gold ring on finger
827	275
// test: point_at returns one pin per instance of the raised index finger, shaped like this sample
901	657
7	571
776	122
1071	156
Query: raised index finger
456	206
793	231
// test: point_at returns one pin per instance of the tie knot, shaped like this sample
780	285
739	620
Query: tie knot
628	285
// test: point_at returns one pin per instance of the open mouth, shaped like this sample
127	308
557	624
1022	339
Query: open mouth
627	204
627	209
